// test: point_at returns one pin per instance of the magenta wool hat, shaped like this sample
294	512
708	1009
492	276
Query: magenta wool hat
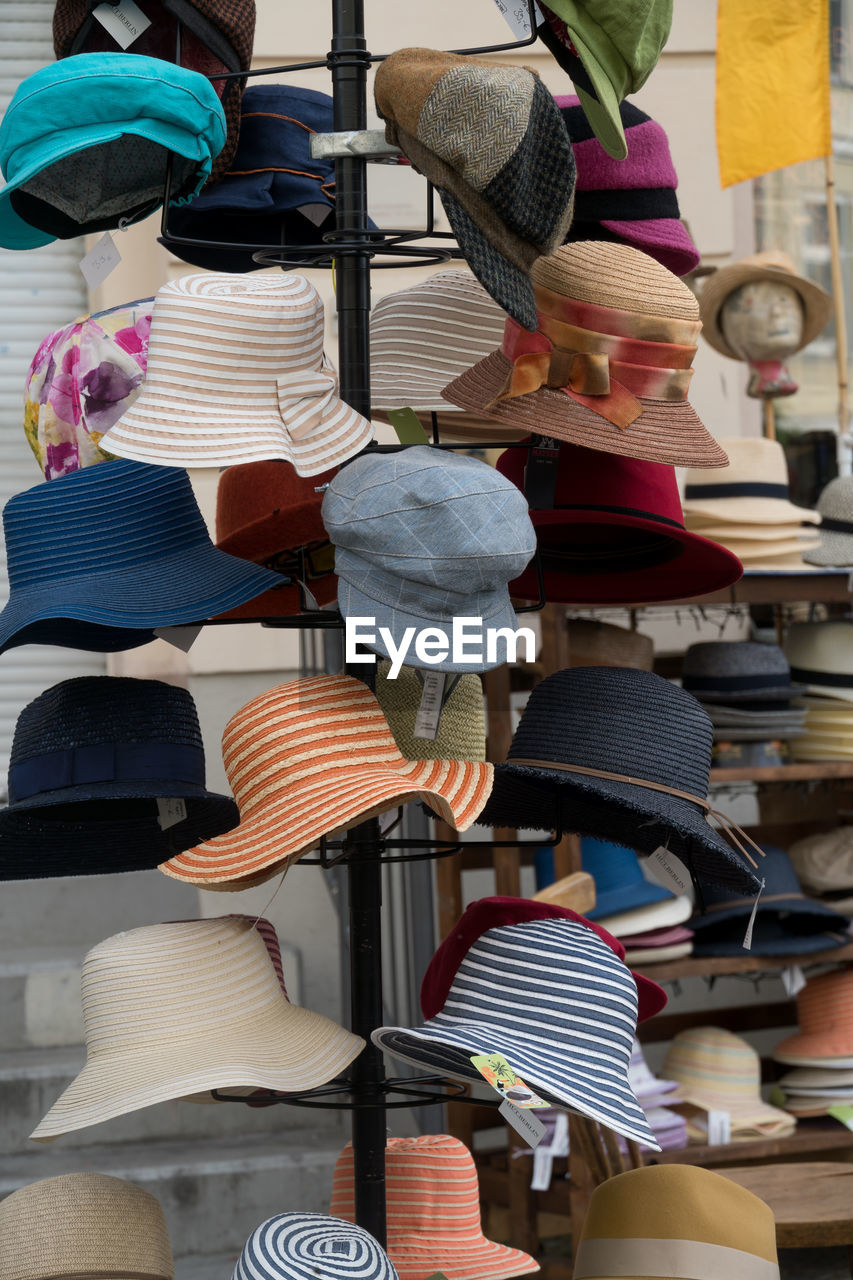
631	200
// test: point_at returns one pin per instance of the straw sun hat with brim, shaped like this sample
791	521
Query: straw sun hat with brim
676	1220
422	337
835	507
719	1071
83	1226
305	1246
777	268
312	757
735	671
821	657
614	533
106	774
825	1015
609	365
433	1211
176	1009
824	862
461	730
752	489
623	755
237	373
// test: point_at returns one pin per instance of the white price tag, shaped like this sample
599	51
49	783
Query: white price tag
100	261
719	1128
316	213
125	22
524	1122
182	638
517	16
793	980
429	712
663	868
747	937
170	811
543	1167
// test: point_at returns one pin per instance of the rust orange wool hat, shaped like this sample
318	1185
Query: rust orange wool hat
609	365
433	1211
267	513
309	758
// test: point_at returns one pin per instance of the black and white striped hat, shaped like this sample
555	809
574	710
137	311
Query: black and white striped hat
560	1006
302	1246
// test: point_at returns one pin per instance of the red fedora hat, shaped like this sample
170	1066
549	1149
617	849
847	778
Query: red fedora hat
615	534
267	513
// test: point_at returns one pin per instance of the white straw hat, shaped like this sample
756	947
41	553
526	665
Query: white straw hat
83	1226
182	1008
821	657
752	489
236	373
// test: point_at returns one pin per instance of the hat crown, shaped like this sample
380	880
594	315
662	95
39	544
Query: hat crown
825	1003
778	874
821	646
181	982
616	276
836	499
648	164
89	710
119	515
751	460
620	720
303	1246
611	866
452	523
431	1189
713	1062
735	658
83	1224
253	492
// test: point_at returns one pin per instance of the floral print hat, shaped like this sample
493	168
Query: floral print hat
80	382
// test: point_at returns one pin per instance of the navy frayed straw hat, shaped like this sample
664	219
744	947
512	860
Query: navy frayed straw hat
557	1002
623	755
737	671
106	774
303	1246
99	558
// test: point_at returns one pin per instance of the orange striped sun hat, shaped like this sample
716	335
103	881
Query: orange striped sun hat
825	1015
309	758
433	1211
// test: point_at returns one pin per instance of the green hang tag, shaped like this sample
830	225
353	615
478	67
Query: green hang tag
778	1097
844	1114
408	427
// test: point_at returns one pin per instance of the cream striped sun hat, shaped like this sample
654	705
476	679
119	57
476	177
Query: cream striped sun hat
236	373
433	1211
309	758
171	1010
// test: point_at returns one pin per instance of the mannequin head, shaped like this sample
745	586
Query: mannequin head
763	324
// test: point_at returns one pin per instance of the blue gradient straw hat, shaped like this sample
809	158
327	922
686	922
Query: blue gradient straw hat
305	1246
84	144
99	558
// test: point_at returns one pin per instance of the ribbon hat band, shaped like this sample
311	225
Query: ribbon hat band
681	1259
106	762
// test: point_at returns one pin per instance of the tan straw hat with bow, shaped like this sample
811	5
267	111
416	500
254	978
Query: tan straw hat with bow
609	365
83	1226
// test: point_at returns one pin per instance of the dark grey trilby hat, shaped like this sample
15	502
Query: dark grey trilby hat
737	671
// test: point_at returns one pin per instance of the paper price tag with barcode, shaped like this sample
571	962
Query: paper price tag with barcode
429	712
517	16
100	261
125	22
793	980
664	869
524	1122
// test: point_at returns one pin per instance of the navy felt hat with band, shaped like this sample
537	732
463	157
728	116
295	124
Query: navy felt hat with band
106	774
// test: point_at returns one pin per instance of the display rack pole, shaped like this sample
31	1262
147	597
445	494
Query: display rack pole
348	64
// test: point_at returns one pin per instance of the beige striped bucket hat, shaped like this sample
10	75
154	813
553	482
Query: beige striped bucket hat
85	1226
172	1010
237	373
423	337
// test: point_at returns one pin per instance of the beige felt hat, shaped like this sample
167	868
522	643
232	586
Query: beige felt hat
176	1009
752	489
83	1226
461	730
773	265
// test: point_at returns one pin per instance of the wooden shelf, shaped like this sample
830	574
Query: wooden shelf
720	966
806	771
810	1138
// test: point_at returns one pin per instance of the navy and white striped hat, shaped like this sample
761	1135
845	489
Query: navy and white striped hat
560	1006
303	1246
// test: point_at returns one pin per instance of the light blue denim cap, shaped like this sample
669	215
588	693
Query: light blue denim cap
84	142
423	536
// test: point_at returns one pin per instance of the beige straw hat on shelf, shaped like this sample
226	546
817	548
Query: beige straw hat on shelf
603	644
461	732
772	265
177	1009
83	1226
752	489
610	364
424	336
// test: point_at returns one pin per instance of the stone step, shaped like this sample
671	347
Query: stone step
214	1193
32	1079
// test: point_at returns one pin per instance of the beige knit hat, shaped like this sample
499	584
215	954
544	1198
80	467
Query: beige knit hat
610	364
461	733
177	1009
84	1226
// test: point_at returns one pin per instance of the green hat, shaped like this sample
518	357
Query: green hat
609	48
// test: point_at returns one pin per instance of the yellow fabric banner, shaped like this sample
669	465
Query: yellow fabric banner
772	85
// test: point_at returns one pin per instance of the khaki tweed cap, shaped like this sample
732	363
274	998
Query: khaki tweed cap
177	1009
84	1226
461	733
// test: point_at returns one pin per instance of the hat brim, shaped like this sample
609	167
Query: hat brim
166	591
778	693
657	915
732	733
35	847
456	1259
288	526
658	955
834	551
816	1080
817	304
509	284
260	847
807	1051
294	1050
602	111
354	602
813	914
781	944
699	566
746	1111
534	799
666	431
453	423
626	897
572	1087
748	511
664	239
